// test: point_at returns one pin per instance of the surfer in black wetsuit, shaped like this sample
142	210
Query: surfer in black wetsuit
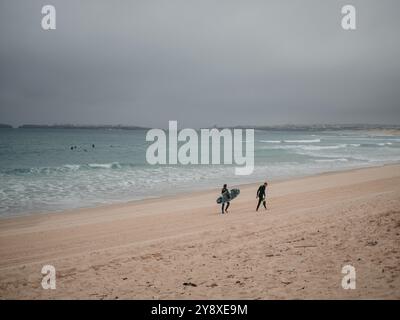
261	196
225	193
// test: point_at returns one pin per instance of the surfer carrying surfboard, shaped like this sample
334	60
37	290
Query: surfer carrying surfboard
225	193
226	197
261	196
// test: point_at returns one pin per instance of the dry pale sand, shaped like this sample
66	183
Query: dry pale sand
180	247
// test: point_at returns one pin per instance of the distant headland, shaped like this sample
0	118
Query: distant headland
71	126
324	127
5	126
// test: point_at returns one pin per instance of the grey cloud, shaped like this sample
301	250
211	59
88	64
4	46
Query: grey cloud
199	62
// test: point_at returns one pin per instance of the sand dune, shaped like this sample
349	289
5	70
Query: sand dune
181	247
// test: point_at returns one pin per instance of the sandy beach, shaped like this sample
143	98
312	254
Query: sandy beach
180	247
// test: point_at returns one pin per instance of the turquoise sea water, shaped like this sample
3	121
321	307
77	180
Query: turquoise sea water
39	172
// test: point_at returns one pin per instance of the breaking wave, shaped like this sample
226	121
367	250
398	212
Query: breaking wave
303	141
67	168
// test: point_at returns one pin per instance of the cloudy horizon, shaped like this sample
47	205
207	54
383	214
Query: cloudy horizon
201	63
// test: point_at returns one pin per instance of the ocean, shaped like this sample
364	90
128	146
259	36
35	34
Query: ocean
39	172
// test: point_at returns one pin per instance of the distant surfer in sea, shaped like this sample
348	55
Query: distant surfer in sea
261	195
225	193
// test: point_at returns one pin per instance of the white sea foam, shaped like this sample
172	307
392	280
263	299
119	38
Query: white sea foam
308	147
303	141
271	141
332	160
339	146
100	165
385	144
72	167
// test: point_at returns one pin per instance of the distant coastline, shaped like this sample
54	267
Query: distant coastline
326	127
71	126
375	128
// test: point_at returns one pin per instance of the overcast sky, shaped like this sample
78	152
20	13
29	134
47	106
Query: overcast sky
201	62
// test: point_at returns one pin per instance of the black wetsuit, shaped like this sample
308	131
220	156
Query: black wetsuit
261	196
223	191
